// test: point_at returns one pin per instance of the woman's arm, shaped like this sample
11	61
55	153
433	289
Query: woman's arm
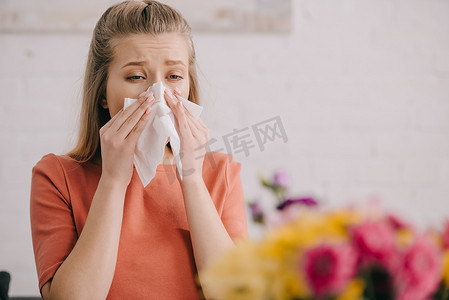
88	270
208	234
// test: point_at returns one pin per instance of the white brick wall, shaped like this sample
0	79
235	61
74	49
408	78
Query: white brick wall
362	88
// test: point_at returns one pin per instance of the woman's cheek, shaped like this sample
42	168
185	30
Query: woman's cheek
184	87
185	93
171	85
115	106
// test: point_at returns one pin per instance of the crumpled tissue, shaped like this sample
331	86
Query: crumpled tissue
161	125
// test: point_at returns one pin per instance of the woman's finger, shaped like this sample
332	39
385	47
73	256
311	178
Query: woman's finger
170	99
203	126
143	99
177	95
136	131
193	127
183	124
202	123
198	130
110	122
135	117
175	107
173	101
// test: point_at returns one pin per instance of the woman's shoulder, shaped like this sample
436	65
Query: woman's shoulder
52	161
53	164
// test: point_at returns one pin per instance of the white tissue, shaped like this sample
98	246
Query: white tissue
161	125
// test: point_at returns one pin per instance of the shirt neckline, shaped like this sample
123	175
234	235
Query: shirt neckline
165	167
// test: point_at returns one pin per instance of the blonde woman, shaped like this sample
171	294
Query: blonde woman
98	233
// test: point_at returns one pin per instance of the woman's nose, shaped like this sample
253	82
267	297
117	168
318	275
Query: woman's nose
156	79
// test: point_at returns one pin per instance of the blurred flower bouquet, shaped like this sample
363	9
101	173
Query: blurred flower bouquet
340	254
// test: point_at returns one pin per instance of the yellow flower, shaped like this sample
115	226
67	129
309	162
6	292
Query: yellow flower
346	218
404	237
446	268
247	273
236	275
353	291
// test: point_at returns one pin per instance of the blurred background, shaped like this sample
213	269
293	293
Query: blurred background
350	98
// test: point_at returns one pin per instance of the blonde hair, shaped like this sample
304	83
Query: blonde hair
120	20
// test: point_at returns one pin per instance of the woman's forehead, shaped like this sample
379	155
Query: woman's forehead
170	47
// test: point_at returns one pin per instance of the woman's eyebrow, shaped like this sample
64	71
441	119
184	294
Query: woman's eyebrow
133	63
169	62
174	62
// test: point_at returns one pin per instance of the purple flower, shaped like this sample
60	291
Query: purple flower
281	179
290	201
257	213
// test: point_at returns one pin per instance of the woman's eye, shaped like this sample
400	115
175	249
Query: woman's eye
136	77
174	77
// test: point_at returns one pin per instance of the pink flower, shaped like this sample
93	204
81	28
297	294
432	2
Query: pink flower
328	268
418	274
374	242
395	222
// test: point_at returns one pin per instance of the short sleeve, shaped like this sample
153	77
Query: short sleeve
52	224
234	216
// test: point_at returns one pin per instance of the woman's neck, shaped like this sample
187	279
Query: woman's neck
168	158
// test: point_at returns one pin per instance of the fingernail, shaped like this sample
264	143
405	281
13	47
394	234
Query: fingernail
177	90
142	94
148	110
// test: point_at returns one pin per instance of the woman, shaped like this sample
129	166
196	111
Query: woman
97	232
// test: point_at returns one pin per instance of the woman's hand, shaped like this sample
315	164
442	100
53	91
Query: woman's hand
194	137
119	137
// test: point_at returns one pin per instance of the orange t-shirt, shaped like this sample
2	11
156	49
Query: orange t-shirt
155	257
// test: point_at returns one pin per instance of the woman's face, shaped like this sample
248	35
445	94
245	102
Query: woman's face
141	60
